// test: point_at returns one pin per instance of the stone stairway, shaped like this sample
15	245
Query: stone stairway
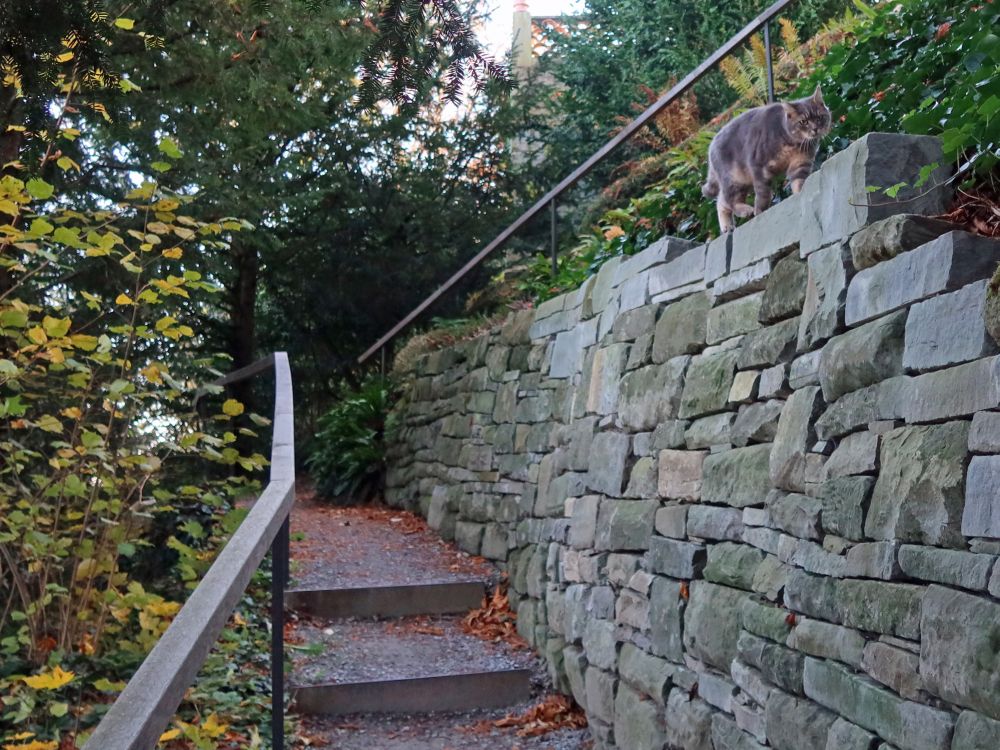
399	649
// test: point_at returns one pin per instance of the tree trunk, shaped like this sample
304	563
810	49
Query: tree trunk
242	299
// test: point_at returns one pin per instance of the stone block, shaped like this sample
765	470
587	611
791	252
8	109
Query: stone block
797	514
751	682
716	691
856	454
681	328
765	346
632	610
707	385
981	515
779	665
984	435
845	505
651	395
609	453
666	608
469	536
599	643
796	723
751	720
712	522
625	524
976	732
575	664
804	370
749	279
945	264
738	477
668	435
711	623
600	691
828	641
773	382
826	293
675	558
863	356
858	699
895	668
637	721
756	423
873	560
686	269
734	318
764	620
786	289
663	250
888	238
727	736
732	565
847	736
919	493
717	257
945	330
688	722
959	658
951	567
955	392
681	474
646	673
707	432
671	521
632	294
605	376
879	607
643	479
771	576
793	439
836	199
744	389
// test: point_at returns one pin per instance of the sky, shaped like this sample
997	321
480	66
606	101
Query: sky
497	32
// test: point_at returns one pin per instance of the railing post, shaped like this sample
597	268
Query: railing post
279	577
553	245
770	63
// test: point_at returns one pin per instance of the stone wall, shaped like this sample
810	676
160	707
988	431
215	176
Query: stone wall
748	492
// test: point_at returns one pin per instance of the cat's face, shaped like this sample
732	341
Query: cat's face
807	119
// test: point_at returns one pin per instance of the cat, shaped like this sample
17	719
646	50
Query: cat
780	138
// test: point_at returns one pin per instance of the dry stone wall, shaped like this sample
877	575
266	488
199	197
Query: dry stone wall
747	492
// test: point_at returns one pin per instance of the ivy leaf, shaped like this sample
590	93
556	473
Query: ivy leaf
59	709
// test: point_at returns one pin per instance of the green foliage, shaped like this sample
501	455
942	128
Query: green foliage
347	454
920	66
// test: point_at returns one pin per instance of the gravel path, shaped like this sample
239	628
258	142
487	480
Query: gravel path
358	650
350	547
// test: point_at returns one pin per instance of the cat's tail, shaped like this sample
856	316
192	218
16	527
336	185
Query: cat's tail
711	187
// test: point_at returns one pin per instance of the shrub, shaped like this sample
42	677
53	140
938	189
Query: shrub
347	455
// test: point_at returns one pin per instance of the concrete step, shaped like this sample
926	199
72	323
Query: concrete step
388	601
445	692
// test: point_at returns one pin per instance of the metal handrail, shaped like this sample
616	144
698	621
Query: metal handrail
150	699
761	21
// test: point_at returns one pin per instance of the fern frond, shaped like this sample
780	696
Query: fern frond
758	51
789	34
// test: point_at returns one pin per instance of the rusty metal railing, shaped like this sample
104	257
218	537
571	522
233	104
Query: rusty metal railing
548	200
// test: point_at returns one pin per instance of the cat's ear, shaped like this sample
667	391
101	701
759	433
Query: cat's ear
791	113
817	95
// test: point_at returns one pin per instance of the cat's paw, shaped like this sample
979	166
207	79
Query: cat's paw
743	210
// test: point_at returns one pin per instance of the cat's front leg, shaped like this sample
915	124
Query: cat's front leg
762	193
725	216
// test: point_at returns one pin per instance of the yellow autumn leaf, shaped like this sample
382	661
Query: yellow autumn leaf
51	681
232	407
152	373
212	727
64	57
72	412
174	252
171	734
37	336
123	299
33	745
612	232
164	609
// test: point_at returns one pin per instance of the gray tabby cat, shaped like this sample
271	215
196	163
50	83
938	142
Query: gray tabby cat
779	138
